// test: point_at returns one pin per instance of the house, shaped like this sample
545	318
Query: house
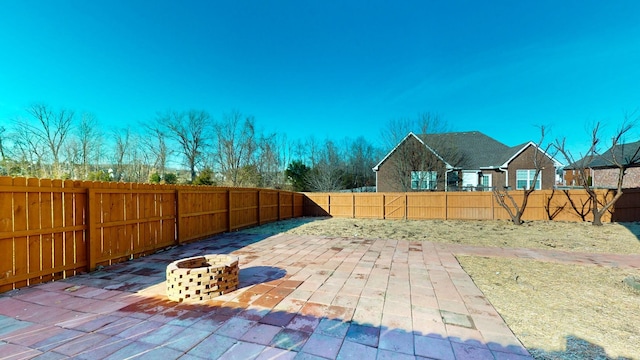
462	161
601	170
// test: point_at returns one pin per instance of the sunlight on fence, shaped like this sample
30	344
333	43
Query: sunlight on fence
52	229
558	205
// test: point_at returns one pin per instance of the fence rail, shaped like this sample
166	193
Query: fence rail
52	229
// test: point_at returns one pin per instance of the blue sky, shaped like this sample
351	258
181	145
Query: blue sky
329	69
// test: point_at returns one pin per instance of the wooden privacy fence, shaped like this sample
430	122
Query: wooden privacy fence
542	205
52	229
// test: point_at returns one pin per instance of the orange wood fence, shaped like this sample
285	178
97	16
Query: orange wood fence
542	205
52	229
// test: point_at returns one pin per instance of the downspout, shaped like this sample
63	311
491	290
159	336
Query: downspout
506	176
375	169
450	169
446	179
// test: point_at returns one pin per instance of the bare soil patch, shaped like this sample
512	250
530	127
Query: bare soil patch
558	311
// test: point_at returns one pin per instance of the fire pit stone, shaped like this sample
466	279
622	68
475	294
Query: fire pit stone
202	277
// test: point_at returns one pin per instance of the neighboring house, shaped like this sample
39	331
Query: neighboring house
462	161
571	175
601	170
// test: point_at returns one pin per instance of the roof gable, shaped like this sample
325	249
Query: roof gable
517	150
411	134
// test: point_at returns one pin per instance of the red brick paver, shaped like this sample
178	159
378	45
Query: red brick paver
299	296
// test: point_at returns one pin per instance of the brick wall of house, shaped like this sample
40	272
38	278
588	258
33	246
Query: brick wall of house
386	173
389	172
525	161
609	178
497	178
572	177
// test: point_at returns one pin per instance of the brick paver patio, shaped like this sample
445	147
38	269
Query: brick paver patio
302	297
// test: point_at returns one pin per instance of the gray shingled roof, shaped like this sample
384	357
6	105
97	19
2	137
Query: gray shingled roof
477	149
622	152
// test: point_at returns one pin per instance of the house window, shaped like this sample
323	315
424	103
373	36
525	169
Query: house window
423	180
486	180
524	179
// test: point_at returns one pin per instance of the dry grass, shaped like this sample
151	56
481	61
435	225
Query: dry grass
567	236
557	311
562	311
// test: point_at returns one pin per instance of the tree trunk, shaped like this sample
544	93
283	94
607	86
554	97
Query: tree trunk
597	218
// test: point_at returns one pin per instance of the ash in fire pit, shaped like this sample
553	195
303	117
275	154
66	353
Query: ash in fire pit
202	277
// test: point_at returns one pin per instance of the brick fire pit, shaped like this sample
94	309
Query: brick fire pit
202	277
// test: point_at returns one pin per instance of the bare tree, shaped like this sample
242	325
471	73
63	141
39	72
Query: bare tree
122	139
505	197
313	149
362	157
619	156
71	152
552	213
130	162
82	148
3	130
583	209
52	128
28	150
5	163
328	173
155	142
189	130
89	139
140	161
299	151
412	154
285	153
270	162
235	140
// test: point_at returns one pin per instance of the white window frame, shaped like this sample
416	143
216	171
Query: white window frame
527	175
424	180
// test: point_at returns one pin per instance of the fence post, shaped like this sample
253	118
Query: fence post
446	205
329	204
92	214
229	222
353	205
384	208
279	206
493	206
259	210
406	206
179	219
293	205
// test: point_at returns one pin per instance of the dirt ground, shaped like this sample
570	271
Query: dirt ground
557	311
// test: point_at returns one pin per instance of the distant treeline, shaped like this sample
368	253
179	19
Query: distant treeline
181	147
